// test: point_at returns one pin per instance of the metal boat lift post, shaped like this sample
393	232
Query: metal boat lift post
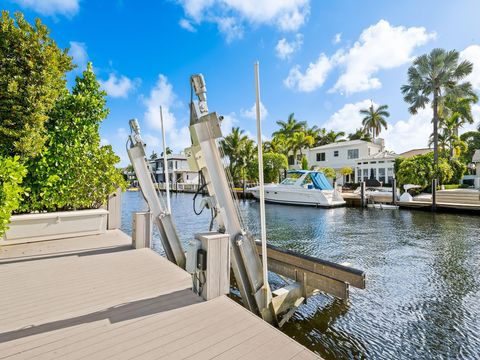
158	209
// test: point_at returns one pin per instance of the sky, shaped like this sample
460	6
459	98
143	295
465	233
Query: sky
322	60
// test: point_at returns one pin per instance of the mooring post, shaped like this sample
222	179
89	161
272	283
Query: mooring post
362	194
114	207
434	194
394	191
141	230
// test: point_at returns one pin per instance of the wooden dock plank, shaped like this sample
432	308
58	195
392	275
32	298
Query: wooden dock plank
96	298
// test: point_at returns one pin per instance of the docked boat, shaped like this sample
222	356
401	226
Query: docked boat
302	187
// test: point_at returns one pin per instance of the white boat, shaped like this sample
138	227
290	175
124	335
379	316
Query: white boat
302	187
383	206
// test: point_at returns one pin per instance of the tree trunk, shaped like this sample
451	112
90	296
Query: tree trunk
435	149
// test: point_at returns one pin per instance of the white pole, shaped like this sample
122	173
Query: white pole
165	162
262	190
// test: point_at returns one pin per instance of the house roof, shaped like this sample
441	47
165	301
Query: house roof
414	152
342	144
380	155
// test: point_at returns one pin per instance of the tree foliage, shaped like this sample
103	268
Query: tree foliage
32	77
273	164
74	171
375	119
12	173
329	173
419	170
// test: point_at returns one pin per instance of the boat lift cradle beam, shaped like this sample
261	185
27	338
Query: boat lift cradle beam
158	209
246	263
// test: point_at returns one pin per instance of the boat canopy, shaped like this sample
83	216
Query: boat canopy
319	180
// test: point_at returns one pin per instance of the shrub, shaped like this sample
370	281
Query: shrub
304	163
32	77
74	172
458	169
11	176
419	170
329	172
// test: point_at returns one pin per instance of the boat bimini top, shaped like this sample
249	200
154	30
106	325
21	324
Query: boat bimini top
308	179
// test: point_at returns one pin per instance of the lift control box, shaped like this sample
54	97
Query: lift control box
208	260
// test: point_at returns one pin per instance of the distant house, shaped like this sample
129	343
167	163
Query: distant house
178	170
342	154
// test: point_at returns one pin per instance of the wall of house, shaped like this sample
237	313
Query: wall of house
379	169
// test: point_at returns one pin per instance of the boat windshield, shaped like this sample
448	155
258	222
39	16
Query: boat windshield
291	179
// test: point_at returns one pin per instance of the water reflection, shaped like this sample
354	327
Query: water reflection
423	289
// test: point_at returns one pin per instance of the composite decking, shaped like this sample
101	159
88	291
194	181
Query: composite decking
94	297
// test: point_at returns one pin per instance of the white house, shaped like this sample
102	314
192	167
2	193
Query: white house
379	166
178	170
342	154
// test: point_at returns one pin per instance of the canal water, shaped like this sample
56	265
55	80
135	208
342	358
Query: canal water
422	299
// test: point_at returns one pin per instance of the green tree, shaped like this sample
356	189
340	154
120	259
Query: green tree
154	155
375	119
419	170
432	78
360	134
232	146
273	164
332	137
472	140
304	163
74	171
12	173
168	151
329	173
299	141
289	127
32	77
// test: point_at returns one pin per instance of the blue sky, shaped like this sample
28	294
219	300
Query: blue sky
323	60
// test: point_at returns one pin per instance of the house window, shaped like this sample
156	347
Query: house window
321	156
365	174
291	160
359	175
352	154
381	175
335	153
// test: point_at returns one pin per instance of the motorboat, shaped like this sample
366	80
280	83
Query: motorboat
383	206
379	194
302	187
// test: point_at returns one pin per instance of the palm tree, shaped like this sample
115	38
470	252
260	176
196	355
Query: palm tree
232	145
300	140
459	111
332	137
289	127
432	78
317	134
360	134
278	144
375	119
168	151
153	156
246	153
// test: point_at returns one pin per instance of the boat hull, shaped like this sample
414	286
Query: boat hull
305	197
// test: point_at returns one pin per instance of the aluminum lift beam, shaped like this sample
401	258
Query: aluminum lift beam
158	209
246	263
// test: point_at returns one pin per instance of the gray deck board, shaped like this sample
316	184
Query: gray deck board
94	297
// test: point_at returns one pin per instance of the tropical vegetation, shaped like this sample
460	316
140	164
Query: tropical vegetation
374	119
50	152
436	79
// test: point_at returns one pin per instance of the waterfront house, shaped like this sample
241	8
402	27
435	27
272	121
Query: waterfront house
343	154
178	169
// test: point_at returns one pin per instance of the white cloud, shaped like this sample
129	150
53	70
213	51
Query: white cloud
51	7
151	140
412	133
118	87
472	54
285	49
230	28
252	112
187	25
348	118
312	79
337	38
78	51
381	46
228	122
161	95
122	133
286	15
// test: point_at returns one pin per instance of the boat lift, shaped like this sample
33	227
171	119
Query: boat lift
307	275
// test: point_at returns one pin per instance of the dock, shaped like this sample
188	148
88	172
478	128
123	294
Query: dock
95	297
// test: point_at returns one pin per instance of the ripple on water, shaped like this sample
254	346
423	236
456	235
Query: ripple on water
422	299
